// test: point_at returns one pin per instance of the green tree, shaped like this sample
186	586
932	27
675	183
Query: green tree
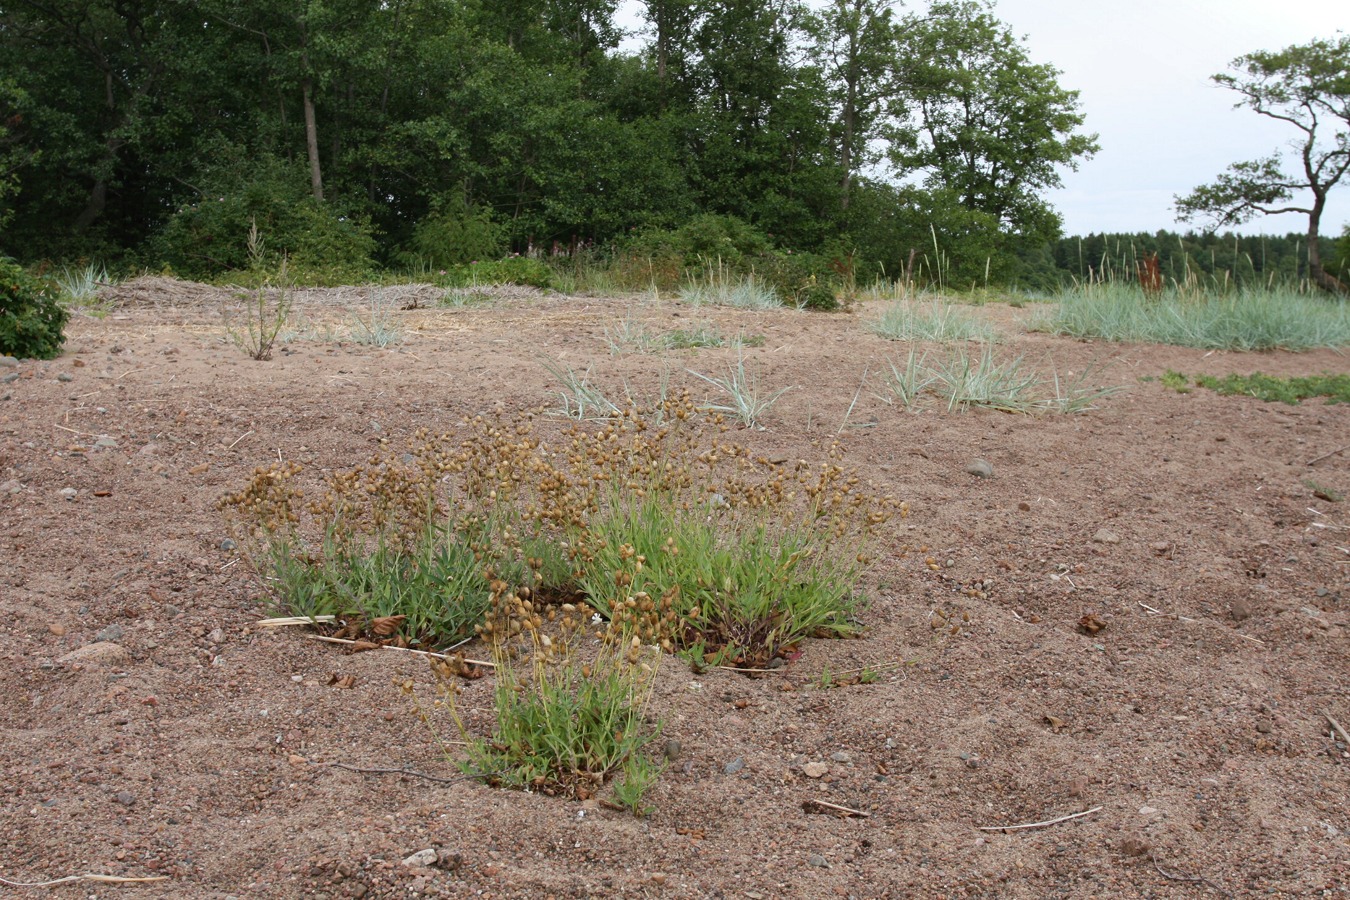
984	121
1307	87
856	44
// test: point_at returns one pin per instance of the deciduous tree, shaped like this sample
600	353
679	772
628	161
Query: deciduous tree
1307	87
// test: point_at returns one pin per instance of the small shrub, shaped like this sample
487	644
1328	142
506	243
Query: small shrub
455	233
266	309
377	328
520	270
1336	388
32	320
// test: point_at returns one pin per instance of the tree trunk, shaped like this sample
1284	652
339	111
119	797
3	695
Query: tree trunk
1320	276
312	140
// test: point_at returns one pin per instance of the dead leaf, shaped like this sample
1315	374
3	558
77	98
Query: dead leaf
1091	624
362	646
386	625
1055	723
342	681
199	469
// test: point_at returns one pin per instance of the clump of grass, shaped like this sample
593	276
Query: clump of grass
377	328
1293	390
962	380
1250	318
79	287
579	399
934	321
567	719
720	287
648	530
747	402
463	297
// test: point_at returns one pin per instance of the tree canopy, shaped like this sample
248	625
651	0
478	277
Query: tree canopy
152	131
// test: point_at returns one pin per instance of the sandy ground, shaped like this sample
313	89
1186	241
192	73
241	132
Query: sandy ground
151	729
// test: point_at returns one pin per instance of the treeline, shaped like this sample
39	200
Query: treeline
1205	258
360	134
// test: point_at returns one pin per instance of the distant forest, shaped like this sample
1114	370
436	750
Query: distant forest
412	135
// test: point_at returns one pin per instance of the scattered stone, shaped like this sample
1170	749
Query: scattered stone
113	632
126	798
105	442
841	757
1161	547
672	749
57	629
69	493
7	361
1263	727
9	378
228	545
1024	506
427	857
1106	536
1078	786
217	636
815	769
734	766
65	376
815	859
1148	811
1134	845
171	611
11	487
1240	609
658	877
980	469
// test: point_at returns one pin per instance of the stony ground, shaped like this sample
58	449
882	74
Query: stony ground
152	730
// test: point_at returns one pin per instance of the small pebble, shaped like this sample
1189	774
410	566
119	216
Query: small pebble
217	636
69	493
815	859
841	757
126	798
980	468
8	361
228	544
734	766
1106	536
65	376
815	769
427	857
672	749
113	632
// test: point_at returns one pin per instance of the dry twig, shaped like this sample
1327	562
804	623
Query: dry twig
333	640
1193	879
1313	462
1187	619
848	811
1077	815
439	779
104	879
1339	729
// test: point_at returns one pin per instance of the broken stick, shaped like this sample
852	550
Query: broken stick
1047	822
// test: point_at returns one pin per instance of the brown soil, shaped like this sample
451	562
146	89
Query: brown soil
152	729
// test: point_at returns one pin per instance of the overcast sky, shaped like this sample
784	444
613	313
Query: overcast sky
1143	68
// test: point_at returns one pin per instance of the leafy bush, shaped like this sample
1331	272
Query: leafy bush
323	243
704	239
455	233
32	320
521	270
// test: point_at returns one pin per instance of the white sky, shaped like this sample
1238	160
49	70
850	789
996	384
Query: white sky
1143	69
